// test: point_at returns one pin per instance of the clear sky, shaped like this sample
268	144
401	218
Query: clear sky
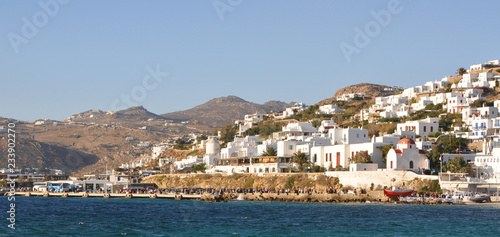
67	57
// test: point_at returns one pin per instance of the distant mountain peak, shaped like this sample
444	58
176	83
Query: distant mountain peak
224	110
133	108
228	99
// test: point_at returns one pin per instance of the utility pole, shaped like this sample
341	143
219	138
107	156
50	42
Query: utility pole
441	165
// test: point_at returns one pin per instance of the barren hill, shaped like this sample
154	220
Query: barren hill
138	113
371	91
132	115
31	153
224	110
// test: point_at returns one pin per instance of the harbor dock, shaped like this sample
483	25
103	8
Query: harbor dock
109	195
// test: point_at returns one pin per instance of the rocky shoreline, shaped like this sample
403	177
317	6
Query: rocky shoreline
372	197
305	198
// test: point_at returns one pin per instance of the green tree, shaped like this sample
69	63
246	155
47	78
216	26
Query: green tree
457	165
385	150
361	157
434	106
316	123
201	138
477	103
301	159
431	186
446	122
461	71
444	144
435	134
227	133
198	167
317	168
270	151
390	120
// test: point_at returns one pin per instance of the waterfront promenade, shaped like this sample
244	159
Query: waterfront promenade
110	195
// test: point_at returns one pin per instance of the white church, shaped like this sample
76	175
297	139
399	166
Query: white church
407	157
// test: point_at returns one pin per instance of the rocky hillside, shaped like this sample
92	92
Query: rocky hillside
224	110
132	115
371	91
31	153
137	113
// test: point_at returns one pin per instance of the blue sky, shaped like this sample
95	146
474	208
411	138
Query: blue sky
90	54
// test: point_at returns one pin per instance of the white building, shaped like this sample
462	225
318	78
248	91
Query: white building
457	104
330	109
327	125
348	135
252	165
349	97
211	152
483	79
475	67
297	108
254	118
241	147
363	167
481	122
157	150
421	127
407	157
295	130
288	147
165	161
186	163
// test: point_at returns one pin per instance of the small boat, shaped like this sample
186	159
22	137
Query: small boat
481	198
398	192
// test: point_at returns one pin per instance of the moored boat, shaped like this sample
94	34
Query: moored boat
481	198
398	192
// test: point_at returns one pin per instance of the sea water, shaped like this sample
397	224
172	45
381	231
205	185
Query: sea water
38	216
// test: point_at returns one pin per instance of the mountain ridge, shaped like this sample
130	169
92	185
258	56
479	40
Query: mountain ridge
224	110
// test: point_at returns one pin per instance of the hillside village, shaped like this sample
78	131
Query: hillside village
431	125
449	125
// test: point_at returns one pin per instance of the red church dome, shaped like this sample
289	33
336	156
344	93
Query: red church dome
405	141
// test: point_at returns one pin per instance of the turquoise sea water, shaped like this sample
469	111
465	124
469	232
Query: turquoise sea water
37	216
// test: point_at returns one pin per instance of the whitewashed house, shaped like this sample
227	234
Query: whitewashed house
421	127
241	147
297	108
348	135
295	130
330	109
269	143
188	162
157	150
349	97
254	118
481	122
457	104
327	125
